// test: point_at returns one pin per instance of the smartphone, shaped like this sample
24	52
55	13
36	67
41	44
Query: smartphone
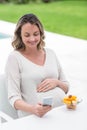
47	101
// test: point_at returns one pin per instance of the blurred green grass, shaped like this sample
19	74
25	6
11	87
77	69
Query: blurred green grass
62	17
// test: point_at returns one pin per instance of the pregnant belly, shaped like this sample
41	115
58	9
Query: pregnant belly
57	94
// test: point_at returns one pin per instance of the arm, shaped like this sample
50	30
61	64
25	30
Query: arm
62	81
37	109
13	79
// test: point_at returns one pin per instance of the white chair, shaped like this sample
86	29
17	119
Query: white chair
5	106
4	117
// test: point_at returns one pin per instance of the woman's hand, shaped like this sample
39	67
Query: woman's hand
37	109
47	84
40	110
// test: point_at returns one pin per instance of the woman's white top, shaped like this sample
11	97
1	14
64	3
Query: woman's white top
23	77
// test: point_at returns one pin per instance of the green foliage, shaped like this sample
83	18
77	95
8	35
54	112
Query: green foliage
67	18
19	1
27	1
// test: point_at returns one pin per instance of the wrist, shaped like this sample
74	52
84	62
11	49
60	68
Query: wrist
63	86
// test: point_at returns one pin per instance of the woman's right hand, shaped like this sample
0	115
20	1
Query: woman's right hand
40	110
37	109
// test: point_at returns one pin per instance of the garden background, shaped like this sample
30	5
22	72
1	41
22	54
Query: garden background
58	16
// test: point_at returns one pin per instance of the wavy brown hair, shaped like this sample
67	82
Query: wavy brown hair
17	42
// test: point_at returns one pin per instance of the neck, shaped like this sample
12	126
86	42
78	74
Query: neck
31	52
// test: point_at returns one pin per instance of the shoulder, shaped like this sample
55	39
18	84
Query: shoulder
13	54
50	52
13	57
13	60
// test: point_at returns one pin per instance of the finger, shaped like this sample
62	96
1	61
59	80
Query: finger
44	83
43	89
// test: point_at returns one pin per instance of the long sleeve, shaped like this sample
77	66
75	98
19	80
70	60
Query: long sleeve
13	79
61	75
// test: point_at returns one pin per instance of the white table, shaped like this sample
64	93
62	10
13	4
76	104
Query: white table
58	119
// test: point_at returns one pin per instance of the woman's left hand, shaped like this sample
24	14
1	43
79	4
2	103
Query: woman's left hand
47	84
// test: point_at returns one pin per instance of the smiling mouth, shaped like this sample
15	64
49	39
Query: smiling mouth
32	43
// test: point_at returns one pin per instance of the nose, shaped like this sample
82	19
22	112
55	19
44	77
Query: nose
32	38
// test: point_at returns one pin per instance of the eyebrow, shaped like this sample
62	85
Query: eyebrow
34	32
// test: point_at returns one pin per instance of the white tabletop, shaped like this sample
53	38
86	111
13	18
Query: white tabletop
59	119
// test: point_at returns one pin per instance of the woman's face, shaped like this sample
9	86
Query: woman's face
30	34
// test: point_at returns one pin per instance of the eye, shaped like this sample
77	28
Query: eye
36	34
26	35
